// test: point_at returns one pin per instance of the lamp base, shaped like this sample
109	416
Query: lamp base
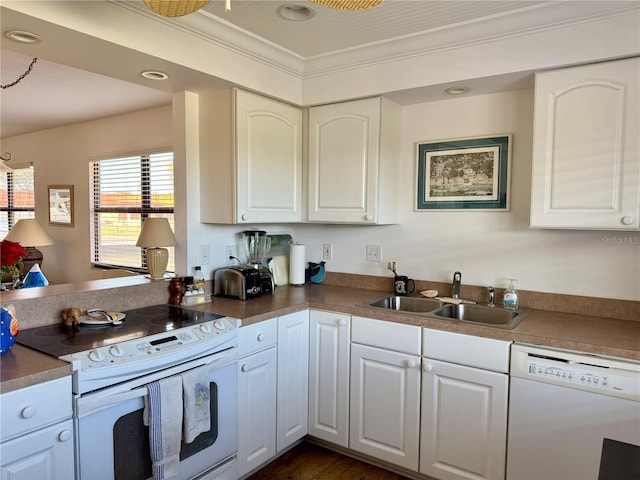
157	259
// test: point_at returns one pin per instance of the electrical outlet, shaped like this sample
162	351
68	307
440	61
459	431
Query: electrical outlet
374	253
327	251
205	254
230	251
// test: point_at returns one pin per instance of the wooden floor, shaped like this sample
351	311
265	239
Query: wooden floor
311	462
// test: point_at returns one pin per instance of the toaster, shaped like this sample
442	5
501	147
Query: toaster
238	281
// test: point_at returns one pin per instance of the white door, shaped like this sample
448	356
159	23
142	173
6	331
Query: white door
586	147
269	156
293	378
385	405
463	422
329	376
45	454
256	409
343	161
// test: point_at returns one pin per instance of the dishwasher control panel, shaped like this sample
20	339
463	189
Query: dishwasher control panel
585	372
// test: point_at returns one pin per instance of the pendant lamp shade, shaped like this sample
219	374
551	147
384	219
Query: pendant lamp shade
175	8
348	4
156	233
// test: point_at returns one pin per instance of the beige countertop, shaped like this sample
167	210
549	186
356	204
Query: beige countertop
22	366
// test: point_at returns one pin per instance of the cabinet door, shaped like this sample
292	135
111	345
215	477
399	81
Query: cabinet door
269	156
385	405
329	376
586	154
343	161
464	422
293	378
45	454
256	410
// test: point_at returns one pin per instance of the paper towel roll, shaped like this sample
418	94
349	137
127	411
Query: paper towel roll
296	264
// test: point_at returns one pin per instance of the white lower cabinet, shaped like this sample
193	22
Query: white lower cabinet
463	426
272	388
257	374
385	391
293	378
329	335
37	432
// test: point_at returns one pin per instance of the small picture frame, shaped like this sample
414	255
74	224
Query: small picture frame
61	205
464	174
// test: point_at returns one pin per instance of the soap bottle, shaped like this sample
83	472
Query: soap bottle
198	280
510	298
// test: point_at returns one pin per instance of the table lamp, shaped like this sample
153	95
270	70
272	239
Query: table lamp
155	235
30	234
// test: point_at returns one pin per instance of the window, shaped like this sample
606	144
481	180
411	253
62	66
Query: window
123	193
16	198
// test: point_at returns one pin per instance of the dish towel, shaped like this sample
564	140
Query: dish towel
196	397
163	411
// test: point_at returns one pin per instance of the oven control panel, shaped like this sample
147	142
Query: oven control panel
182	344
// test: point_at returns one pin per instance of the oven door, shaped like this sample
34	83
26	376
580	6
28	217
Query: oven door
113	443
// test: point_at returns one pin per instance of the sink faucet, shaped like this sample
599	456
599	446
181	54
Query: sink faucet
492	296
457	277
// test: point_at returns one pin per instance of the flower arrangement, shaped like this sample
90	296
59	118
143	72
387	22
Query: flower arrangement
11	255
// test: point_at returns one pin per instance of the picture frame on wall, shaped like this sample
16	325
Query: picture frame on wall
61	205
464	174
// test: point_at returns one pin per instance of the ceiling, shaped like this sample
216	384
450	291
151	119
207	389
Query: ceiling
54	94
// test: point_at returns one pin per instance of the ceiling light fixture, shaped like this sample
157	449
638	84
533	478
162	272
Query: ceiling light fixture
456	90
348	4
295	12
22	36
175	8
154	75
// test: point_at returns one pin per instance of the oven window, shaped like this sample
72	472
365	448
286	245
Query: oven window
131	449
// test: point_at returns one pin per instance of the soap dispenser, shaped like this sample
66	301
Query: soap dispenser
510	298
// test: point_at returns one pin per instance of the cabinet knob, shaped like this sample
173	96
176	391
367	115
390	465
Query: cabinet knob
428	367
64	435
260	337
627	220
342	322
243	216
28	412
368	218
244	367
410	363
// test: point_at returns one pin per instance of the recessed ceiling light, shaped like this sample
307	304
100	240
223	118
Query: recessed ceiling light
295	12
22	36
456	90
154	75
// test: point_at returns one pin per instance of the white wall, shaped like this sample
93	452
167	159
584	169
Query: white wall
486	247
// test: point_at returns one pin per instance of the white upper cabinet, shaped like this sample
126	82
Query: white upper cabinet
586	155
250	159
353	162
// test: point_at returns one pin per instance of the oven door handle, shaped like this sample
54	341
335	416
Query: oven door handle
92	402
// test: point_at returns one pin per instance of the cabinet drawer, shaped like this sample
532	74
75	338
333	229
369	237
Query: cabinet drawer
36	406
387	335
479	352
258	336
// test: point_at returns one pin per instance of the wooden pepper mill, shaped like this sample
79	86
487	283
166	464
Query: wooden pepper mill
177	291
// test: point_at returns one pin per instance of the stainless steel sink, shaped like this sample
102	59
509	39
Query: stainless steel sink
483	315
404	304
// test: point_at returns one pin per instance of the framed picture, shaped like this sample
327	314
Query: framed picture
464	174
61	205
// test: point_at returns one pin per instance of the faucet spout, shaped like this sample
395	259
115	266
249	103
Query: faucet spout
492	296
457	278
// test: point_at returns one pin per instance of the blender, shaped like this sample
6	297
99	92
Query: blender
256	244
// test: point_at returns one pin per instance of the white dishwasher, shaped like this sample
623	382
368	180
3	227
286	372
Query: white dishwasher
572	416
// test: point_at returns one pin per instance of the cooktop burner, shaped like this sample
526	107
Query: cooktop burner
58	340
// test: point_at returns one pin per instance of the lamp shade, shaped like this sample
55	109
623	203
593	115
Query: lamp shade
28	233
156	232
175	8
